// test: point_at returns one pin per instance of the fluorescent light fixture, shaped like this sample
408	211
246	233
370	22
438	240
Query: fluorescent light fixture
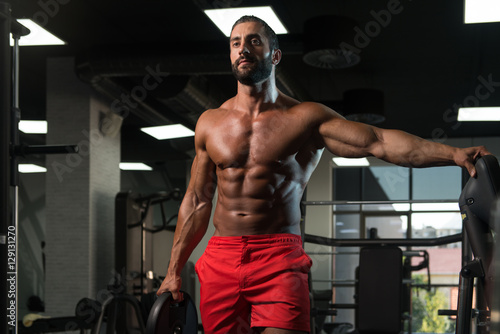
484	114
168	131
37	35
134	166
351	162
33	126
482	11
224	18
435	207
31	168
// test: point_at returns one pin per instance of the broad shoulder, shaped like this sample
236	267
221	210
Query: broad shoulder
208	121
315	113
317	117
204	123
210	117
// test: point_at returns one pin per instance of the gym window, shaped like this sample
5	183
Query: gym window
396	202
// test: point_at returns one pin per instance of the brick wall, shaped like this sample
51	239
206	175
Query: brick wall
80	192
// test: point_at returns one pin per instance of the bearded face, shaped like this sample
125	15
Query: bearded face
249	71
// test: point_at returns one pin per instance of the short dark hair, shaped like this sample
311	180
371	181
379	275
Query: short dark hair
270	34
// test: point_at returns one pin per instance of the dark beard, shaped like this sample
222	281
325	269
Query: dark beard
258	72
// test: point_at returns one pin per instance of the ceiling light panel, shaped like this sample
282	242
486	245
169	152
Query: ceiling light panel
37	35
351	162
168	131
482	11
224	18
31	168
485	114
39	127
134	166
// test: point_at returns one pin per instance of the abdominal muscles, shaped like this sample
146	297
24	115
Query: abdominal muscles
259	200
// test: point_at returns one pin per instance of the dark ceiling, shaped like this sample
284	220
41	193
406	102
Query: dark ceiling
420	54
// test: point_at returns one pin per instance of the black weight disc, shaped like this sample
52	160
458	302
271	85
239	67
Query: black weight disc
169	317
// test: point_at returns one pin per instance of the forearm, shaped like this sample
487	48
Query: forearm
191	227
407	150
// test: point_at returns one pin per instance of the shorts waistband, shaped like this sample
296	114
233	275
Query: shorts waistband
259	239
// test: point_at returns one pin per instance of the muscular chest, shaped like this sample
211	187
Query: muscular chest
268	139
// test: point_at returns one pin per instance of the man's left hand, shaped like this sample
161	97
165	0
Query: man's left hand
467	157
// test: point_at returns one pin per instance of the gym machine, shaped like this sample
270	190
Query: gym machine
133	305
476	206
381	302
129	304
133	236
480	208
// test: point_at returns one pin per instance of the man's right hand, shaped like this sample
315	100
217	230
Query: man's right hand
171	284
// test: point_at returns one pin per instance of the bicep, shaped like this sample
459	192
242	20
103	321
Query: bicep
349	139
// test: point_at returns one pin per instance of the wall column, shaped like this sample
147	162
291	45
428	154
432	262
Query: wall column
319	219
81	190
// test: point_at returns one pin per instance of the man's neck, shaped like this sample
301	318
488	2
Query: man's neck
257	98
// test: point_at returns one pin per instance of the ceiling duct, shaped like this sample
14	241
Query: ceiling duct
364	105
125	62
116	71
325	42
198	95
107	71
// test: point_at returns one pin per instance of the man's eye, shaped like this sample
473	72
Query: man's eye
236	44
255	41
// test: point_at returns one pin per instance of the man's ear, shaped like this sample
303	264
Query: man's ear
276	56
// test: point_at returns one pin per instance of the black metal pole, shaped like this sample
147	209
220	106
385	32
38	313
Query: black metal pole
45	149
464	306
315	239
495	220
5	96
15	117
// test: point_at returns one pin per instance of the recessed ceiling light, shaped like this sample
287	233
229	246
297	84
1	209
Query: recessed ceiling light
33	126
134	166
168	131
351	162
224	18
37	35
484	114
31	168
482	11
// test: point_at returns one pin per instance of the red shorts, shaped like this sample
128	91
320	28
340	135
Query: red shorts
254	281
